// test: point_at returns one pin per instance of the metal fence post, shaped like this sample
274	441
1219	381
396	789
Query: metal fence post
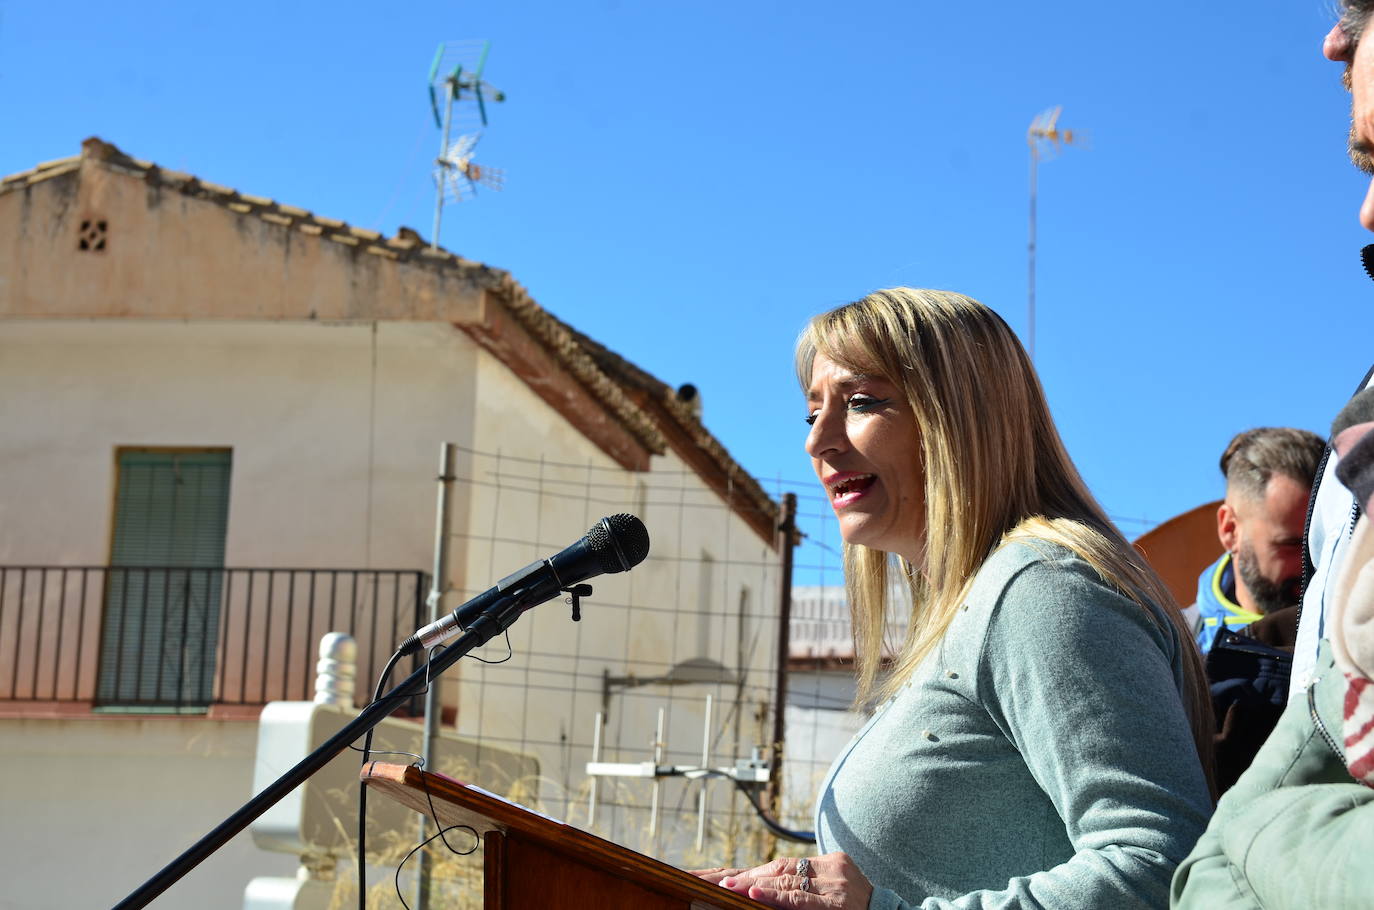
439	585
787	539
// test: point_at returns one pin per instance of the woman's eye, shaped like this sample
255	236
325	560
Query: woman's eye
863	403
811	418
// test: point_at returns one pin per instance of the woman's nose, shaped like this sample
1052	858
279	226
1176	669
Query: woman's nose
827	433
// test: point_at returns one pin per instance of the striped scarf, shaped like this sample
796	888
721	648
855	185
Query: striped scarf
1359	728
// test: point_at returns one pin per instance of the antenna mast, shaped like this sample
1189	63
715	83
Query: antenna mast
455	77
1044	135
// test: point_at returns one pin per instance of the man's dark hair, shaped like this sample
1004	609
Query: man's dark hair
1256	455
1354	18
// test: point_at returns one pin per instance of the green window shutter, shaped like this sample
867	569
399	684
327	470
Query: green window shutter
165	581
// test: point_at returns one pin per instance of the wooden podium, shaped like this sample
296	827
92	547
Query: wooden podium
532	861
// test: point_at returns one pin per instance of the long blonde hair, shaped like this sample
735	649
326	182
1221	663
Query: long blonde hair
995	470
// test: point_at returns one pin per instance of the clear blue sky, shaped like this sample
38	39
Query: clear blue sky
688	181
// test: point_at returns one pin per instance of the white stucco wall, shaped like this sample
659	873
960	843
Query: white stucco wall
335	431
95	806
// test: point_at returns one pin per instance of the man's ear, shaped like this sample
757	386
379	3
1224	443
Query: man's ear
1228	531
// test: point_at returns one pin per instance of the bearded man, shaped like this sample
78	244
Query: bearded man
1269	475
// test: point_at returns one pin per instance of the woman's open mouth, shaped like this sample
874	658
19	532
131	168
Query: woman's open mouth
846	489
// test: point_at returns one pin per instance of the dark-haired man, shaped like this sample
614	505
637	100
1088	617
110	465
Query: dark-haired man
1269	474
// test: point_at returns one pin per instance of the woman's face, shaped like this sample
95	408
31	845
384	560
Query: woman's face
866	449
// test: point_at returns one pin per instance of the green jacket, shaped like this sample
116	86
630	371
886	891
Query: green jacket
1296	831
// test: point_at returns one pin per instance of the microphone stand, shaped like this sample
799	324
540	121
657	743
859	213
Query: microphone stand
482	630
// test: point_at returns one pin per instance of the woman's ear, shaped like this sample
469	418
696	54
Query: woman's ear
1228	530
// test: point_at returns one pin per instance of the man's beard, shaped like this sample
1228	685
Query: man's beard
1267	595
1360	154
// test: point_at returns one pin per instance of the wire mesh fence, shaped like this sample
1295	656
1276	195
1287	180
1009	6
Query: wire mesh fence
700	618
629	683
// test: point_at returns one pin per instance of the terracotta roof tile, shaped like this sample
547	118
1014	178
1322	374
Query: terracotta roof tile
682	413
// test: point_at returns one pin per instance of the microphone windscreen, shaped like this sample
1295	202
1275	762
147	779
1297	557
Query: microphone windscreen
1367	259
619	542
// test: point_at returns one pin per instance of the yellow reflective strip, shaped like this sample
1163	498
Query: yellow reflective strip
1230	605
1220	595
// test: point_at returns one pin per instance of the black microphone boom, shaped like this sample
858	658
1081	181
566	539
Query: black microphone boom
614	544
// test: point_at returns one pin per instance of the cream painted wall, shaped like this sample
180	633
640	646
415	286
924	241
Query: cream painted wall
88	811
335	431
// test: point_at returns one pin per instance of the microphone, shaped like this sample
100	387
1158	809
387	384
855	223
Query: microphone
617	543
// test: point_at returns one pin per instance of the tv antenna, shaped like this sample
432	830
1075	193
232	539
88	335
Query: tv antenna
456	87
1046	140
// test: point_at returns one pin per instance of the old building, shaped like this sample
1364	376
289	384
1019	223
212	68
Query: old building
222	418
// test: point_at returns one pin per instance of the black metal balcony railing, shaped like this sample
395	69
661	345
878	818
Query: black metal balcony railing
161	638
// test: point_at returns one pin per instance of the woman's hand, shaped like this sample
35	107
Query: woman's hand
821	881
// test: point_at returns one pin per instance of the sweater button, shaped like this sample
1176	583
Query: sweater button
930	736
951	674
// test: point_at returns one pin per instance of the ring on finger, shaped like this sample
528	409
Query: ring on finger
804	873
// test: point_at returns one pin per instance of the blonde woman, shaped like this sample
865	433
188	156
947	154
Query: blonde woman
1042	731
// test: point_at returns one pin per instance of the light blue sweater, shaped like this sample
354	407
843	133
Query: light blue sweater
1041	757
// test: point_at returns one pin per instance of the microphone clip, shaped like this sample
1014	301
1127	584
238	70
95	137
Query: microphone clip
576	593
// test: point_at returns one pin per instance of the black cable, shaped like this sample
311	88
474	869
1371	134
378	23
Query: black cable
510	652
382	681
477	842
441	834
799	837
362	785
419	760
